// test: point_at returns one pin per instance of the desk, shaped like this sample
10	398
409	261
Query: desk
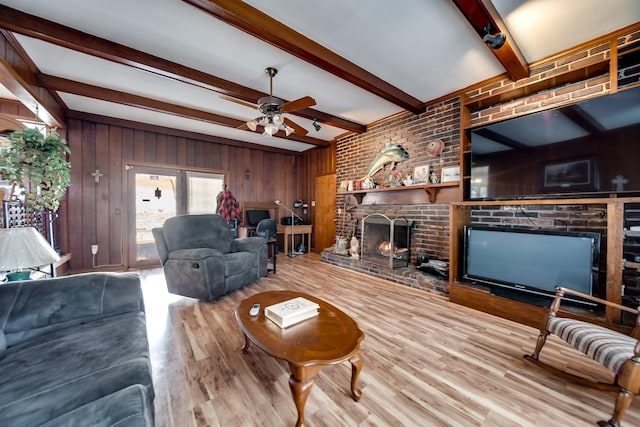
289	230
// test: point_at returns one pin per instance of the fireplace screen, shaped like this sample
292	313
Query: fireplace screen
386	241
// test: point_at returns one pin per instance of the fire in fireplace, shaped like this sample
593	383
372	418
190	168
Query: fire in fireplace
386	241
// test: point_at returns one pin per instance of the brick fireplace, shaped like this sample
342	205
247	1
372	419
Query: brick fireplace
441	120
429	234
429	221
385	241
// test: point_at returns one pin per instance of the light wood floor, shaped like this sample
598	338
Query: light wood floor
427	362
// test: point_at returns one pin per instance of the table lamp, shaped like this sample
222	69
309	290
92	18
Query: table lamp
21	249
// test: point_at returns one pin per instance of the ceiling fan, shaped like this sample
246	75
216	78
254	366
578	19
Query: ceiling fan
273	110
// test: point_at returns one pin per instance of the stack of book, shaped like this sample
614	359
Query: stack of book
290	312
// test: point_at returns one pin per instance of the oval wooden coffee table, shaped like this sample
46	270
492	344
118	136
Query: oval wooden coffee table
327	339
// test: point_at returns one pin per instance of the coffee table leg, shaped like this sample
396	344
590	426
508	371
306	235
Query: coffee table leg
356	367
247	343
300	390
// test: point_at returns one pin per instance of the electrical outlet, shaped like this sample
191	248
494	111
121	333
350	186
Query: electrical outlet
94	249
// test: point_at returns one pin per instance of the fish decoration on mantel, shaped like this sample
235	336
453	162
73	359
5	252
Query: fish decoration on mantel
391	153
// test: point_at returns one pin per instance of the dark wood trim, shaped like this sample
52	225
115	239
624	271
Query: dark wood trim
17	77
260	25
118	97
611	38
79	115
571	76
51	32
480	14
91	91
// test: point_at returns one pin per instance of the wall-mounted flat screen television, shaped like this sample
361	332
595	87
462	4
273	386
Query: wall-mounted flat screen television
588	148
532	262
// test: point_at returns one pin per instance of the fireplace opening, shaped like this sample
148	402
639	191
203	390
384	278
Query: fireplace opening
386	241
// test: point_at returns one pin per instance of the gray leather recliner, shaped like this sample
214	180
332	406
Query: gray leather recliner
201	259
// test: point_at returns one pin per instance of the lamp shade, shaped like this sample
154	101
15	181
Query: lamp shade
24	247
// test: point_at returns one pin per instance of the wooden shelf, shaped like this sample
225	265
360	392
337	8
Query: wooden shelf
431	189
568	201
631	264
461	215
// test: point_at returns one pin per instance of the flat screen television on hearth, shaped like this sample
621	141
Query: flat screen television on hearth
528	264
590	148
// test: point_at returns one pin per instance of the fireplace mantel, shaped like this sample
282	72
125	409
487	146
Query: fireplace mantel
402	194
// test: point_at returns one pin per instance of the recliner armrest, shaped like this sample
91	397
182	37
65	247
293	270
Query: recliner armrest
248	244
161	244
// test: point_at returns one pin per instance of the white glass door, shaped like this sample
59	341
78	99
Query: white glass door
155	199
157	194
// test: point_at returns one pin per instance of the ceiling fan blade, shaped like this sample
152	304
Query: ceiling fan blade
298	104
299	130
238	101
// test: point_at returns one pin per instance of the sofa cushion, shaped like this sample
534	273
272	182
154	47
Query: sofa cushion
52	374
129	407
38	307
608	347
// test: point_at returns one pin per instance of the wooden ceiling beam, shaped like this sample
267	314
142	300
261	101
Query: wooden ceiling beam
260	25
481	13
60	35
109	95
17	77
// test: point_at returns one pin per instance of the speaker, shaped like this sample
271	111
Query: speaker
287	221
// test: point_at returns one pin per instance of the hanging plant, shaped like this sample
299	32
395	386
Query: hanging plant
37	166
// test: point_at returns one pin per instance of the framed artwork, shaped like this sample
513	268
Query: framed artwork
575	174
450	174
421	174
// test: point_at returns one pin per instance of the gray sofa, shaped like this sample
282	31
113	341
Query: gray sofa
74	352
201	259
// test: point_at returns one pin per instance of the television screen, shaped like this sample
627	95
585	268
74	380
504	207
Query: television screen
255	216
586	148
532	261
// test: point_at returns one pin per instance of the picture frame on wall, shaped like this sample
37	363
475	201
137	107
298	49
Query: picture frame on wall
574	174
421	174
450	174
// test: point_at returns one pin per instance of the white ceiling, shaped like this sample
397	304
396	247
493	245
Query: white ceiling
426	48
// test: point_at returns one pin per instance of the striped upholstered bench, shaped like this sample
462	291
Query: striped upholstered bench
616	351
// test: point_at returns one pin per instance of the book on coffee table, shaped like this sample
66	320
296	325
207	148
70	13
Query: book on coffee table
290	312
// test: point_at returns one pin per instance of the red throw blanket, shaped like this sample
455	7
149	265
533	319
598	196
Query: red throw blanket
228	207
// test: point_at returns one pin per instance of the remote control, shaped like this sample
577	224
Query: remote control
255	309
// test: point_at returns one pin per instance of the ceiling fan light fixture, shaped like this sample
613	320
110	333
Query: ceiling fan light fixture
288	130
316	126
270	129
278	119
252	124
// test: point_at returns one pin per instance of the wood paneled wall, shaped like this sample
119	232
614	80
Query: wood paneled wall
255	175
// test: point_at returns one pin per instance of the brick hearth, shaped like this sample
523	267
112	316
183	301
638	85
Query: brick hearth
409	276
